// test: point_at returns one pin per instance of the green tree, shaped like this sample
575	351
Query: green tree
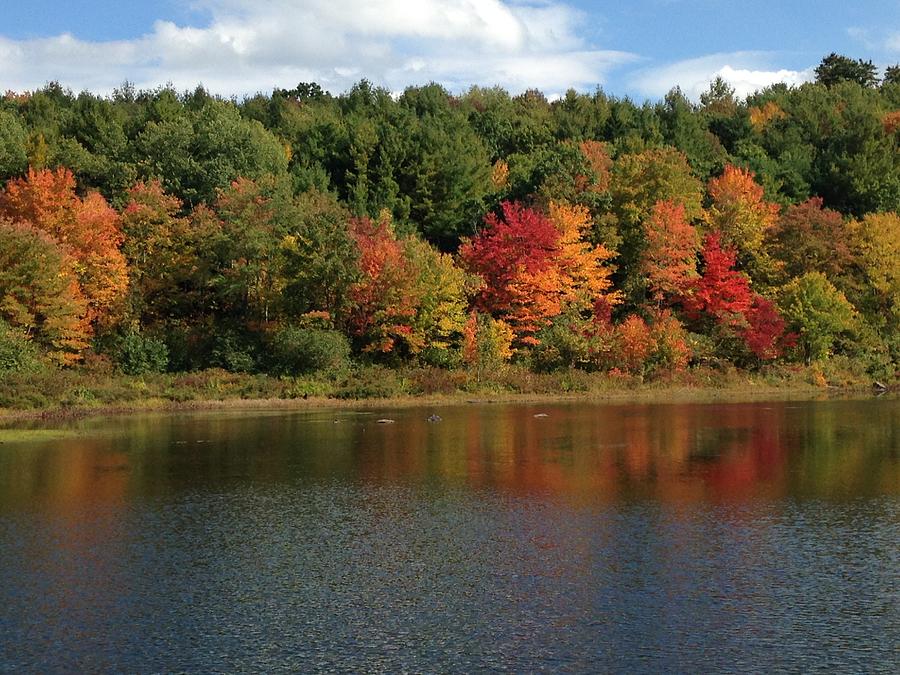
818	312
891	75
836	68
197	152
13	139
320	258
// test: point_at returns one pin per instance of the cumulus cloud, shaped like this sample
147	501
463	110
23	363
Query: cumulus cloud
254	45
747	72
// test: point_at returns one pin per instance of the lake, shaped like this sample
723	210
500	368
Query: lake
565	537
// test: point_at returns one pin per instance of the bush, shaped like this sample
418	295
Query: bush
296	351
18	354
234	352
373	382
140	354
562	345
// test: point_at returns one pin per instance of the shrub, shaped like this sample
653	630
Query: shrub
139	354
372	382
234	352
487	344
671	351
295	350
17	353
563	344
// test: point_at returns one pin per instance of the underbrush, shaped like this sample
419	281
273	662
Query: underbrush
101	387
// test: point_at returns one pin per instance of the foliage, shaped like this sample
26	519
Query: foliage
196	152
638	182
384	299
441	294
13	140
296	350
533	266
836	68
566	343
571	227
877	242
742	218
89	228
809	237
234	349
39	292
487	344
18	354
669	262
319	257
722	304
818	312
139	354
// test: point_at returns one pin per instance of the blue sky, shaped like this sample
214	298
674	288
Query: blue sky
639	48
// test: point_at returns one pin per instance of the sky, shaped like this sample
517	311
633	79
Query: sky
635	48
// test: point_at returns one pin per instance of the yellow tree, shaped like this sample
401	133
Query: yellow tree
583	269
878	243
743	218
39	291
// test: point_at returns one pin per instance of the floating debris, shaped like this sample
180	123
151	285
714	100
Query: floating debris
434	418
542	415
385	421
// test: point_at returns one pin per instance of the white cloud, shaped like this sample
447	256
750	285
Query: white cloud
877	40
747	72
892	43
254	45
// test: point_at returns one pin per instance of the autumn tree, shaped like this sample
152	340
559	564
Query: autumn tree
409	298
384	298
877	241
40	293
89	229
721	293
487	344
534	265
724	304
584	272
441	290
638	182
743	218
521	241
811	238
669	261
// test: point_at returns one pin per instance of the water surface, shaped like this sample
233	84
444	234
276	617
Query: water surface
683	538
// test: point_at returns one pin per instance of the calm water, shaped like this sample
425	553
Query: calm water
677	538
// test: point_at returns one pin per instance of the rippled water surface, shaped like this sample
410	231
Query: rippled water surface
676	538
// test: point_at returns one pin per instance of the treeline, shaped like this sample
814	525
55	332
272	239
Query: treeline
301	231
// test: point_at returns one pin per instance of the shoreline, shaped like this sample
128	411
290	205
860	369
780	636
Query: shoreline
641	394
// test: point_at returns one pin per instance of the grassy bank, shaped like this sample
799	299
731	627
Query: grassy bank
80	392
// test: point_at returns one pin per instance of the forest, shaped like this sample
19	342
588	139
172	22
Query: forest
306	233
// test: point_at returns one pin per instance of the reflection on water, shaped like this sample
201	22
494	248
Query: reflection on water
675	537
